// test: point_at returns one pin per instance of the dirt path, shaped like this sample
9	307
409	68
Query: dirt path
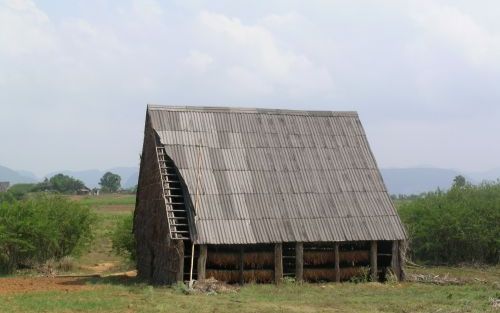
34	284
12	285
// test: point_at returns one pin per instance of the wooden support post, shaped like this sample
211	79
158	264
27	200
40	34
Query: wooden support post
402	258
180	253
202	262
299	261
242	265
278	263
396	268
337	263
373	261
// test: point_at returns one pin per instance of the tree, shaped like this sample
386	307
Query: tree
64	184
459	181
110	182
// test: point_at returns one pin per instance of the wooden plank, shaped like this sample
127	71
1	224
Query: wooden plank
299	261
278	263
337	263
396	269
402	258
202	262
242	265
180	269
373	261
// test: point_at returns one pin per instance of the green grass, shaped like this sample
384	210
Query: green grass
107	199
114	296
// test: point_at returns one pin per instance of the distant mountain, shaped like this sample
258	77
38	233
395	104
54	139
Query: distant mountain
417	180
16	177
413	180
91	178
490	175
132	180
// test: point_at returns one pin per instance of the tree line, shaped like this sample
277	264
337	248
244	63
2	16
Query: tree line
65	184
454	226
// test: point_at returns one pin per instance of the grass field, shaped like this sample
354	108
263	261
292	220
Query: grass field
470	289
100	258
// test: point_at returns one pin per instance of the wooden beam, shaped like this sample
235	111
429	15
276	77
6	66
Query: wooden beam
337	263
202	262
395	265
402	258
299	261
278	263
242	265
180	253
373	261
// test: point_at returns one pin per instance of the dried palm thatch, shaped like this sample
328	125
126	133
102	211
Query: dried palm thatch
229	276
232	276
328	257
319	257
328	274
354	256
250	259
258	259
258	276
222	259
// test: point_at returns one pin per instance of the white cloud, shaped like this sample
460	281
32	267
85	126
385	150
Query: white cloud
198	61
253	55
447	25
24	29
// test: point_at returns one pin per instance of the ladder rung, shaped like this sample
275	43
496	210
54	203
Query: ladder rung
178	225
176	210
177	217
173	203
179	232
174	196
171	188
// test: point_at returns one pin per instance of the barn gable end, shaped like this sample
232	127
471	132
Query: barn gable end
257	177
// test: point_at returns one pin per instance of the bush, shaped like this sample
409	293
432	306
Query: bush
60	183
460	225
19	191
42	228
123	239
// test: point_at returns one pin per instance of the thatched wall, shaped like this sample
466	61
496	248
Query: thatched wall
157	256
250	259
249	276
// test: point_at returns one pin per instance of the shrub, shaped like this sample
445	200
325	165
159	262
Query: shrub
19	191
60	183
42	228
122	237
460	225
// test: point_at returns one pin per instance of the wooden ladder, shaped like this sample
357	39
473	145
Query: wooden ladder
173	195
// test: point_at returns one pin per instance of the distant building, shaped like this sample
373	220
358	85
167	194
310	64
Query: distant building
95	191
4	186
84	191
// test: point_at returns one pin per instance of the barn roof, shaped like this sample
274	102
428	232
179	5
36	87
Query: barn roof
277	175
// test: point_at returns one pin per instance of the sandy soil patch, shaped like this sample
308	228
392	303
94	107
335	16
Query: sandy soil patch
38	284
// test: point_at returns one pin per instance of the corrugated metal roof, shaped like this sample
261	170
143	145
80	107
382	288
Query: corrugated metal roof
277	175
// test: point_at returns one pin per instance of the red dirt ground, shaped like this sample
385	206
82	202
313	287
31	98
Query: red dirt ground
34	284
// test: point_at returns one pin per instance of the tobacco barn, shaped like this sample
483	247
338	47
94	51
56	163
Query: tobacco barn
256	195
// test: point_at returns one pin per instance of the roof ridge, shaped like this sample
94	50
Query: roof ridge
221	109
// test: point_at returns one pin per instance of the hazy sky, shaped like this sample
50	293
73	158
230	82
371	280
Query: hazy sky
75	76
